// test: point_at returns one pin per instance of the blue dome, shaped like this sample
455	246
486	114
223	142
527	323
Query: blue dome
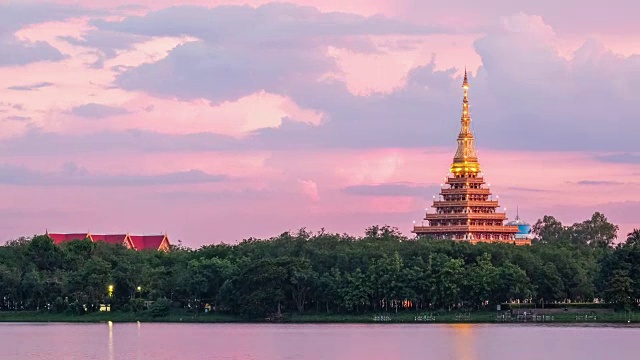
524	228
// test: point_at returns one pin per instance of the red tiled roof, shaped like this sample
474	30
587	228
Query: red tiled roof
147	242
137	242
62	238
111	239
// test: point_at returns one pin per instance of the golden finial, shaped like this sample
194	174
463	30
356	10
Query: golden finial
465	160
465	82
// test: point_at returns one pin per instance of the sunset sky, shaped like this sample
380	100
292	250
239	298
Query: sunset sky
222	120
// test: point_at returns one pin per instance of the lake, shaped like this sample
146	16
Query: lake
315	342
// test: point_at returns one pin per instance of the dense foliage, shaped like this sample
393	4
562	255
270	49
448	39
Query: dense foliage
323	272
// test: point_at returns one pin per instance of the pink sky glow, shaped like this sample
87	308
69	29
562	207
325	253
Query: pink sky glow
222	120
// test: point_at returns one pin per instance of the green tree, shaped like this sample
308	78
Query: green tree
619	291
597	231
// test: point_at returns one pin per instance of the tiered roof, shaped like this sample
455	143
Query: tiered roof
135	242
466	209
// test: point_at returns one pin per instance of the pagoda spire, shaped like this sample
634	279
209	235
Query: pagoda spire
465	159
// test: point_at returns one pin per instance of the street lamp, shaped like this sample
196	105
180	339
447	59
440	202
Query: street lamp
140	291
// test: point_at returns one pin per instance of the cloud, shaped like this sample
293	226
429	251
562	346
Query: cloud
97	111
208	196
310	189
528	190
73	175
624	158
282	24
16	52
393	189
16	15
571	96
521	54
36	142
30	87
18	118
107	44
598	182
289	40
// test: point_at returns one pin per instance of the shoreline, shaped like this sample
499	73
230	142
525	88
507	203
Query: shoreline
618	318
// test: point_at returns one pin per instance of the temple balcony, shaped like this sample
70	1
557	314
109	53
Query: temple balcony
466	203
465	180
464	216
465	191
465	229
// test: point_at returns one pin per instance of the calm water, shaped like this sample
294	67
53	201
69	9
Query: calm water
315	342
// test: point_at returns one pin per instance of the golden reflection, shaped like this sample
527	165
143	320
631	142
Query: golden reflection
110	340
138	342
463	338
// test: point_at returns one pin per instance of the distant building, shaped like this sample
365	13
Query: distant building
524	228
135	242
465	209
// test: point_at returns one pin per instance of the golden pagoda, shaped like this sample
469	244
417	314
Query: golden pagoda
465	210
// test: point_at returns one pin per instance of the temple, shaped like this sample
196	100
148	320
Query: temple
465	209
134	242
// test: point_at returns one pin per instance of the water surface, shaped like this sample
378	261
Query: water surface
316	342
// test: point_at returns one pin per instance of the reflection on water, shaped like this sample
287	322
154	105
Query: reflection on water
464	346
315	342
110	324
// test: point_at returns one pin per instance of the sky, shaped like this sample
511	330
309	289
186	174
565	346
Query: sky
216	121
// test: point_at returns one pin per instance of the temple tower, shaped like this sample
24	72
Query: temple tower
465	209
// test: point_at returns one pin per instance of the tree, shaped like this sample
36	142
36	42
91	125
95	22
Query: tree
633	238
549	284
44	253
448	275
549	230
512	284
480	281
597	231
619	291
355	293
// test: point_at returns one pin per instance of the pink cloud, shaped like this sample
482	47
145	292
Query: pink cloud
310	189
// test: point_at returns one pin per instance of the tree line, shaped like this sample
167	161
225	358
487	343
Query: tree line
323	272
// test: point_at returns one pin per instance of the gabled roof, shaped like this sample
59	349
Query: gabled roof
111	239
149	242
137	242
61	238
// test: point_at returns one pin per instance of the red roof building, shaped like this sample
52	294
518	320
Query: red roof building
135	242
144	242
61	238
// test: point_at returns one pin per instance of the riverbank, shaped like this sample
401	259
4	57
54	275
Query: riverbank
394	318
